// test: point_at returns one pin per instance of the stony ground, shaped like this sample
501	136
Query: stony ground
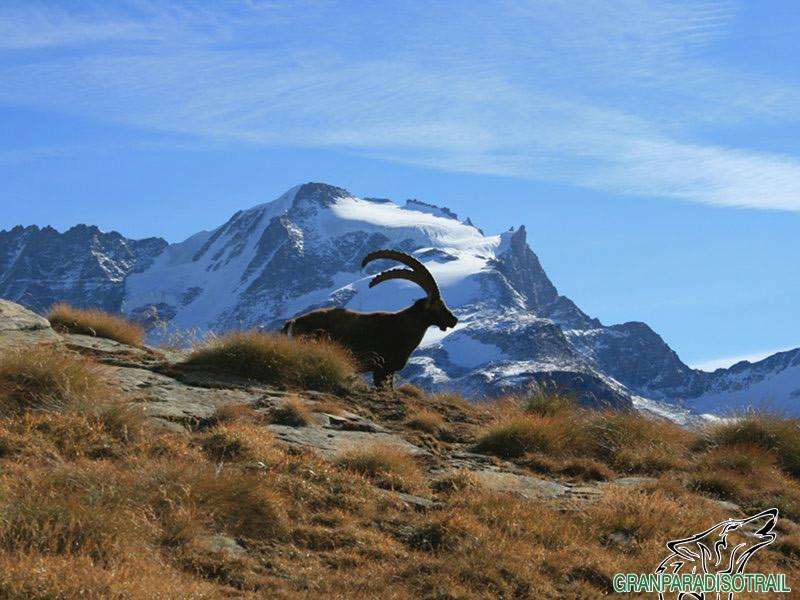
180	398
186	401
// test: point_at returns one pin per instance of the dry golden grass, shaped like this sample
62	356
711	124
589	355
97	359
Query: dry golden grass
42	382
230	413
293	412
549	404
386	465
306	524
456	482
649	516
625	442
48	378
587	469
279	360
329	406
410	391
748	475
770	432
724	485
35	576
425	420
453	400
97	323
517	434
238	442
93	507
633	443
238	502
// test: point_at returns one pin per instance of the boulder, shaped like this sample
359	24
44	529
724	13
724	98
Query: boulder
20	327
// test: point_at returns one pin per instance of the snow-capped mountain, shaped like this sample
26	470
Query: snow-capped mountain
303	251
83	266
773	383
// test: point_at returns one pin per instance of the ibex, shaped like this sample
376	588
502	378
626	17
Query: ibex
381	341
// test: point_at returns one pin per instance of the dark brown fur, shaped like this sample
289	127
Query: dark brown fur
380	341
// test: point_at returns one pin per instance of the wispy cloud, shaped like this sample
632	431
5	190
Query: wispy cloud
621	96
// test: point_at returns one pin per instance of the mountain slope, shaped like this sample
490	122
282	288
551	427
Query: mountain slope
303	251
773	383
83	266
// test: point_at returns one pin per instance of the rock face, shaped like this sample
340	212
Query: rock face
20	327
303	251
83	266
14	317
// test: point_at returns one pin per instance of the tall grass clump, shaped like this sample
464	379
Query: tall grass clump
292	412
515	435
97	323
633	443
47	378
548	404
426	420
554	425
385	465
769	432
278	360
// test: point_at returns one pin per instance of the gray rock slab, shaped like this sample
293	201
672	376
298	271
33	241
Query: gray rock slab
331	442
20	328
101	345
15	340
629	481
222	544
523	485
14	317
168	399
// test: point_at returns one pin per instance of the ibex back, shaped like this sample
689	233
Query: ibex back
381	341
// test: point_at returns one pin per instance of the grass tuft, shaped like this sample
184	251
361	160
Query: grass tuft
385	465
517	434
47	378
278	360
625	442
293	412
410	391
586	469
238	442
769	432
549	404
425	420
719	484
97	323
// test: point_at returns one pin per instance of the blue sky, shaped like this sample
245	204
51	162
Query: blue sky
651	148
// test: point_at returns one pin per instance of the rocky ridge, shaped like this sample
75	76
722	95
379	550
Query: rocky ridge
178	398
302	251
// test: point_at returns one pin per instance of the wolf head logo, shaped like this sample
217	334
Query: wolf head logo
724	548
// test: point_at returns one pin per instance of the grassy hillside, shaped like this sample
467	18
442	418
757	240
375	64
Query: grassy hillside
438	499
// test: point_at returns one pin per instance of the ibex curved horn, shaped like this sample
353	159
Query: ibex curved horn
381	342
419	273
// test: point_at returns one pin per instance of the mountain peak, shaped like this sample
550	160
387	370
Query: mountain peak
303	251
431	209
322	194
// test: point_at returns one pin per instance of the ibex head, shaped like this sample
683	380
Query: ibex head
433	306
